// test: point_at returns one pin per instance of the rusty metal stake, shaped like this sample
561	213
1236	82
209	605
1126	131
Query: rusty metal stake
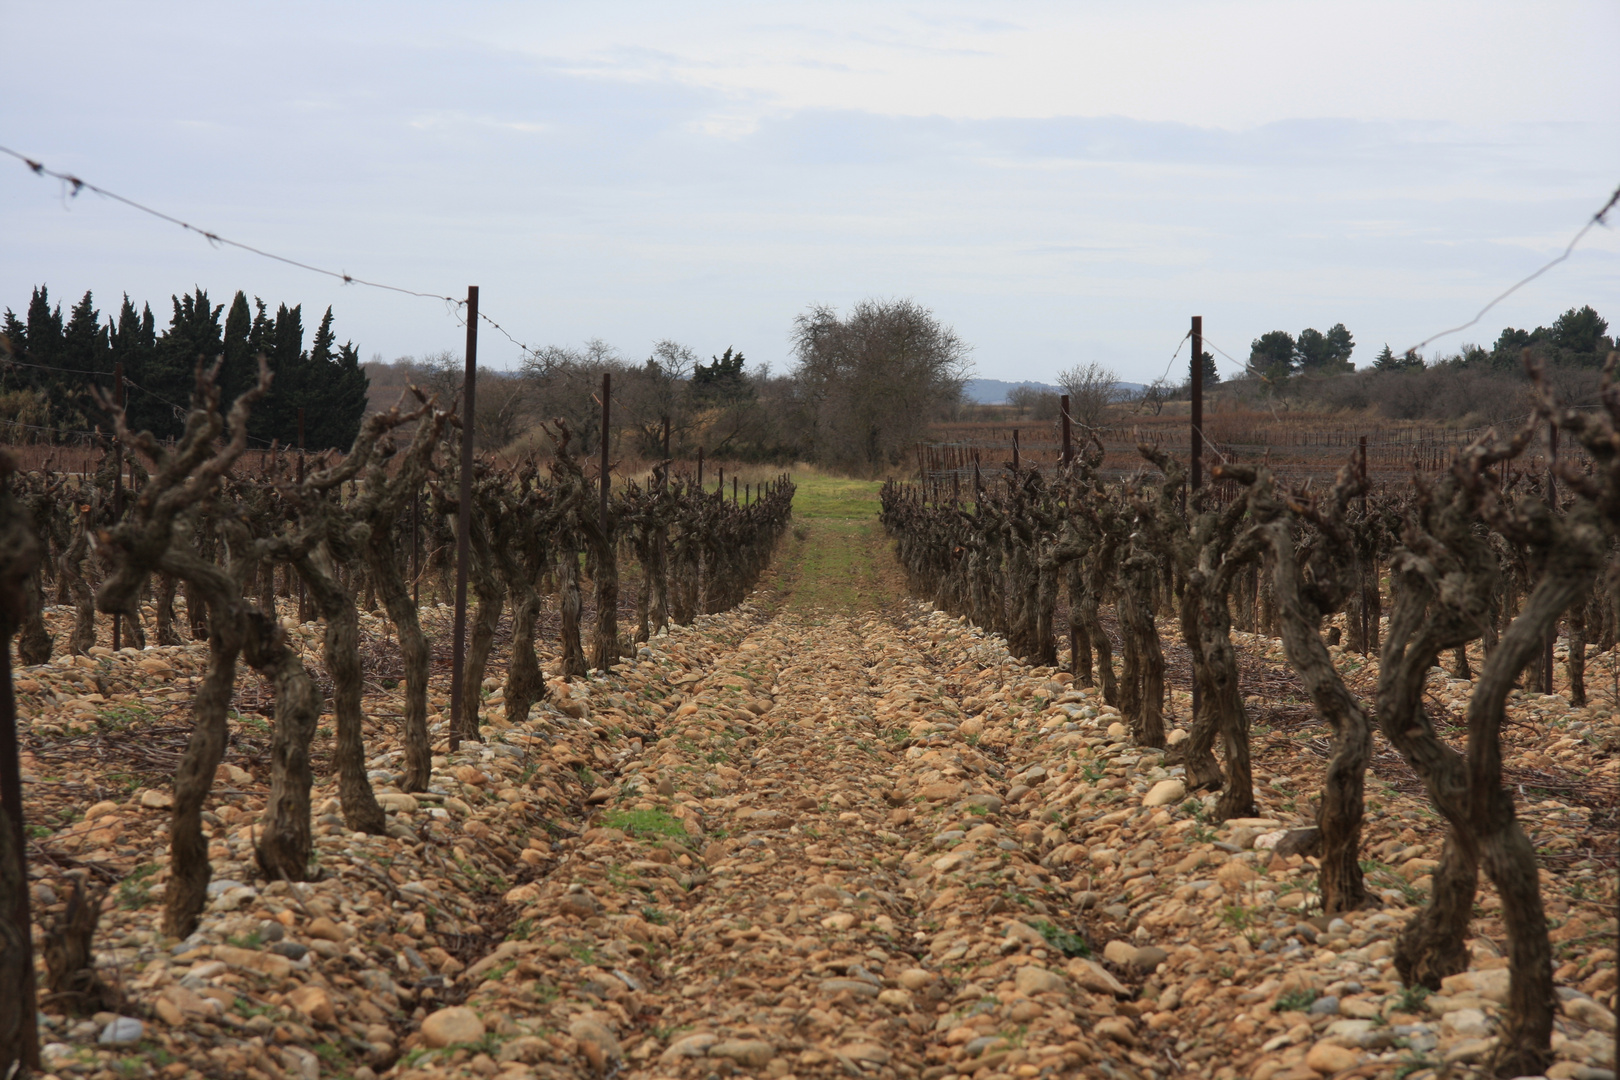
469	383
1196	381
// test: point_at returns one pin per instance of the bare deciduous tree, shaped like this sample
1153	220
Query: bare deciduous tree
1033	402
1091	389
874	378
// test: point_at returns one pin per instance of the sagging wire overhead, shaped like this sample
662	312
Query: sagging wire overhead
74	184
1569	249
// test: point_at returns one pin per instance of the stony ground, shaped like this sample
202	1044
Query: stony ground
832	833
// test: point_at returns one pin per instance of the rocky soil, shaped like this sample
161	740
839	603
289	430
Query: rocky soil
796	841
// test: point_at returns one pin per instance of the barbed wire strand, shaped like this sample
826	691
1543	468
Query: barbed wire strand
1596	220
78	184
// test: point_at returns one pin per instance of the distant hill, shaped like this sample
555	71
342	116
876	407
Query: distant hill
995	391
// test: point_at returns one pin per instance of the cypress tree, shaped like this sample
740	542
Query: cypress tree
277	414
132	341
55	365
85	353
334	392
239	368
194	334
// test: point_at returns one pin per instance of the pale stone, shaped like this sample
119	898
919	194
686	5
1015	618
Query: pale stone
1119	952
1165	793
750	1053
1033	980
121	1031
1470	1023
895	998
265	963
695	1045
869	1052
457	1024
589	1030
1584	1010
1093	976
1329	1058
915	978
1235	874
1116	1028
314	1002
1491	984
153	799
1469	1051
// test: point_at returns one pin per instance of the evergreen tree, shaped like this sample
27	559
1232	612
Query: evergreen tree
167	378
340	392
1386	360
44	349
54	365
86	356
1324	354
721	380
84	339
44	337
1340	345
333	389
1273	355
1211	374
132	340
276	415
239	367
1580	331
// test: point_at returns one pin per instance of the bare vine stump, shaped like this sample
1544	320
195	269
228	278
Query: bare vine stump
34	644
285	844
71	979
168	586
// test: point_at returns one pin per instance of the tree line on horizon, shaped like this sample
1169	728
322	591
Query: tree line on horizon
864	385
49	364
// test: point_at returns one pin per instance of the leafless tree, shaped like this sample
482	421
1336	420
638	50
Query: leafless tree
1152	397
874	378
1033	402
1091	389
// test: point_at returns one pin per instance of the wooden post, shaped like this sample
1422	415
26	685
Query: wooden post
607	396
118	492
1068	450
1366	615
303	601
1196	480
1197	384
1552	501
469	385
1015	449
700	470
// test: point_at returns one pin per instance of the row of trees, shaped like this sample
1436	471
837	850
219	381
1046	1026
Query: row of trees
1278	354
864	386
49	364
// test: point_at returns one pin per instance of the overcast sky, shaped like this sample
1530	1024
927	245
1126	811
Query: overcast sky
1059	182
